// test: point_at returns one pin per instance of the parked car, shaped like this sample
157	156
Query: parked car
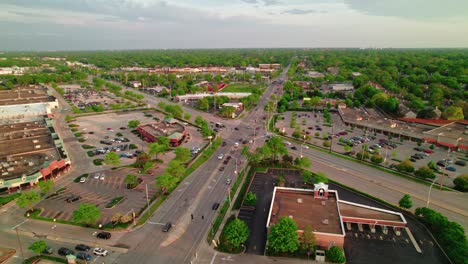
419	149
215	206
82	247
102	177
83	256
73	198
221	156
428	151
167	227
460	163
451	168
100	252
104	235
63	251
221	168
48	251
82	179
96	176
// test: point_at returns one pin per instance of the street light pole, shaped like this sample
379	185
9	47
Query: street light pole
19	243
429	193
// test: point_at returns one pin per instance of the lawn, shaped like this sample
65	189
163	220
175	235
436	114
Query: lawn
6	199
242	87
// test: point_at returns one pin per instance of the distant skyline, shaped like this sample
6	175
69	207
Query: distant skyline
48	25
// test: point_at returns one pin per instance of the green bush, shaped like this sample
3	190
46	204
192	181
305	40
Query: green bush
250	199
114	201
461	183
133	146
377	159
86	146
90	153
98	162
79	134
335	255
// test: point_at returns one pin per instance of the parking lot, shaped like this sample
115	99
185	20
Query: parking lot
109	132
99	189
360	246
393	151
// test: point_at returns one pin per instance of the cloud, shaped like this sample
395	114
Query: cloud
250	1
297	11
272	2
413	9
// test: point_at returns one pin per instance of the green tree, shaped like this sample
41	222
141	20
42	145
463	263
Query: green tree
406	202
165	141
182	154
87	214
303	162
46	186
227	111
277	147
307	177
425	172
112	158
28	199
131	180
336	255
283	236
376	158
175	168
406	166
326	143
166	182
236	233
461	183
453	113
155	148
38	247
187	116
250	199
133	123
307	239
321	177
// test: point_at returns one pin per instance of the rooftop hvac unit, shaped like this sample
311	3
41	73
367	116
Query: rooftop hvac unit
299	200
325	221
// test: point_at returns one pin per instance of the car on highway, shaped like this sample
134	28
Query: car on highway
294	147
82	247
228	181
451	168
100	252
226	161
221	156
221	169
104	235
215	206
167	227
63	251
224	144
83	256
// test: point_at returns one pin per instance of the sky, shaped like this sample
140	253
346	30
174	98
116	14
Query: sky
35	25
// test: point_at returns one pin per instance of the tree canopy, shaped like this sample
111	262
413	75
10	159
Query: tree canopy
28	199
235	233
86	214
283	236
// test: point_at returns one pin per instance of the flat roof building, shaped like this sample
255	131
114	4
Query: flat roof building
326	214
26	102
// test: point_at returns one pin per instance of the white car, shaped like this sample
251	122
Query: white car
96	176
228	181
103	176
305	146
221	156
100	252
83	180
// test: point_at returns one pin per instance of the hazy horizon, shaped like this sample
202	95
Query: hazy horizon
51	25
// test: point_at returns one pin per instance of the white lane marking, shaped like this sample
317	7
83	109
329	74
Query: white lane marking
20	224
154	223
95	259
213	258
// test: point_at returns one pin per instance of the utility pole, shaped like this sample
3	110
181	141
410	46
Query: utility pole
147	201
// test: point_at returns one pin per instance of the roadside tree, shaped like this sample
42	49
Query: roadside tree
277	147
28	199
86	214
155	148
303	162
425	173
406	202
235	234
321	177
182	154
283	236
38	247
461	183
406	166
166	182
175	168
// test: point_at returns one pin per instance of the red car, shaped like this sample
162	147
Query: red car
428	151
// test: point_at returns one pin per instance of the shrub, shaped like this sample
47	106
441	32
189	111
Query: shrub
336	255
406	166
461	183
327	143
90	153
425	173
133	146
250	199
98	162
377	159
86	146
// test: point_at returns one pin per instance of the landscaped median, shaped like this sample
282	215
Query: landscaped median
7	199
